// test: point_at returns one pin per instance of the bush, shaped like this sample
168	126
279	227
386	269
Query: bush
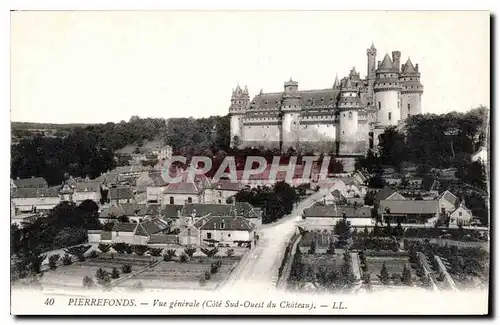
331	248
189	251
214	266
202	281
169	255
183	258
102	276
126	268
210	252
312	248
406	276
88	282
128	249
119	247
384	275
67	260
115	274
140	249
104	247
53	259
93	254
229	252
208	275
155	251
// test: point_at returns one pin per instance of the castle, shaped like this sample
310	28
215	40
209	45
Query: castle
346	118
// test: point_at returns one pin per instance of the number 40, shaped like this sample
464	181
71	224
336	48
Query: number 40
49	301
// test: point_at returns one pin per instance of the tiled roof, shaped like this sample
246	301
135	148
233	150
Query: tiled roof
119	193
131	209
337	211
451	198
157	178
153	209
246	210
224	223
31	182
384	193
163	239
314	97
35	192
204	209
408	67
113	211
227	186
186	186
171	210
92	186
151	227
408	206
124	226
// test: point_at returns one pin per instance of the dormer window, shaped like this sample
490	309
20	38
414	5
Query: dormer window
222	226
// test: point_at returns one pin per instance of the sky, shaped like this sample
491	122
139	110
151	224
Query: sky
106	66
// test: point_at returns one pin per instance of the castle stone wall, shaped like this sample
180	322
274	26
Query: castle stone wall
414	100
388	104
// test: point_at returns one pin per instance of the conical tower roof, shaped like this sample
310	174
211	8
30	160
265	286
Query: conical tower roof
386	63
408	67
336	83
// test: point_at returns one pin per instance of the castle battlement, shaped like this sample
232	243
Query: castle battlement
346	118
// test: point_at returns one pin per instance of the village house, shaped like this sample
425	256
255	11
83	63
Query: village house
334	197
87	190
388	193
138	233
186	190
321	216
448	202
155	188
218	230
119	195
32	200
221	191
461	216
409	211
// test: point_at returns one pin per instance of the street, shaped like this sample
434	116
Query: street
258	270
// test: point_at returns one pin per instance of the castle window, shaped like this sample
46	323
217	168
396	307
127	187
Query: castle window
390	115
379	105
408	107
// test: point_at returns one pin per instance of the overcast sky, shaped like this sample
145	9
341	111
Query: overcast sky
87	67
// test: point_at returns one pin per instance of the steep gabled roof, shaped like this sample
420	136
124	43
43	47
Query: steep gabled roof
450	197
124	227
385	193
171	210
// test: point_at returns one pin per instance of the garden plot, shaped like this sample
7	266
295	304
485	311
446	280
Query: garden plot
72	275
394	265
332	262
178	275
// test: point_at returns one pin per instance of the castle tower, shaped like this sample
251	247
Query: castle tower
412	89
371	55
387	93
239	103
349	104
290	109
396	59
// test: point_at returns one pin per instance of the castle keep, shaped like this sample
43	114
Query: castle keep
346	118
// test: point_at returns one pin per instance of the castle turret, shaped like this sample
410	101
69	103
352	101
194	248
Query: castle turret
396	59
371	55
290	108
239	103
349	105
412	89
387	93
